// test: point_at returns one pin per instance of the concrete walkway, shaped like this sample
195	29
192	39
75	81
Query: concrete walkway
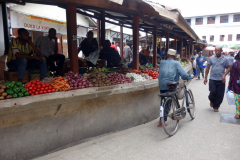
203	138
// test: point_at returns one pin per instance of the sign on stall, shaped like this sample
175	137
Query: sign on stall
45	20
36	27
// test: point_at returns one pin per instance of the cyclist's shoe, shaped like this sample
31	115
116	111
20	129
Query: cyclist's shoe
216	110
211	104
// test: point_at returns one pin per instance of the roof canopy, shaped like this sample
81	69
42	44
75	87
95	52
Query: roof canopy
121	12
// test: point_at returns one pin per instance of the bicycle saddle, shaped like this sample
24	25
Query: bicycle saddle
172	84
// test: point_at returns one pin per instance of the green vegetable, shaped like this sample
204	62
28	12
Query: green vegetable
19	84
7	83
20	94
10	91
11	85
132	78
15	95
16	89
13	82
26	94
23	90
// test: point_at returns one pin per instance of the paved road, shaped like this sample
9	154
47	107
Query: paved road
203	138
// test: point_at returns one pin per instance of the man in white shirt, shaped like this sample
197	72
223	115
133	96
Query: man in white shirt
49	50
127	52
118	48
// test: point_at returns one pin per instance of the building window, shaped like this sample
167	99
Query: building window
222	37
199	21
188	21
229	37
211	38
204	37
236	18
211	20
223	19
238	37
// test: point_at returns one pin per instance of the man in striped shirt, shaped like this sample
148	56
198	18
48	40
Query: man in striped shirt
23	54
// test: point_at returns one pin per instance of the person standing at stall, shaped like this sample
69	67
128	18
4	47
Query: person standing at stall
118	48
23	55
110	54
220	68
49	50
113	46
127	52
199	64
88	46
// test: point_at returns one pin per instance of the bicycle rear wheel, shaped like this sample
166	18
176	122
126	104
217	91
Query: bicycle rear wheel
170	125
191	104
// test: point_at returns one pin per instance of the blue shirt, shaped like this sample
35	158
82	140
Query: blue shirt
161	52
231	60
169	71
218	67
200	62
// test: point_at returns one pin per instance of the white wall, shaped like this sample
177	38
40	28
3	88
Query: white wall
217	29
2	44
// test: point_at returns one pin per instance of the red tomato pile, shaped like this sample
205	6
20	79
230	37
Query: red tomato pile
154	75
37	87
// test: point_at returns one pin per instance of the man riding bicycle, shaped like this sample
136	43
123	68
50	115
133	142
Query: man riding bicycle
169	71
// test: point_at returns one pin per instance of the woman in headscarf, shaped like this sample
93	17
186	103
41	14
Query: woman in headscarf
234	84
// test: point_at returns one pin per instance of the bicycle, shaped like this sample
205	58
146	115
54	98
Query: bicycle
170	110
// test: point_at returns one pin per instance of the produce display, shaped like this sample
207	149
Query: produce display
118	78
37	87
143	69
3	94
184	62
73	81
103	69
153	69
154	75
98	79
137	77
146	76
124	71
136	71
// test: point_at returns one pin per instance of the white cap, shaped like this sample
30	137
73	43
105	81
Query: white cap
172	52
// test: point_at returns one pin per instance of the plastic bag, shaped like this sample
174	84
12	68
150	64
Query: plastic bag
205	64
93	57
230	97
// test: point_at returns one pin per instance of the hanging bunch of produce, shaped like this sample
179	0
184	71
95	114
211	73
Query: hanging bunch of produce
98	79
76	81
137	77
37	87
117	78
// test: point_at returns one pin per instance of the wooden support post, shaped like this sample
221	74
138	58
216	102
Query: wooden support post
189	49
135	42
121	41
102	17
72	36
167	43
186	51
5	26
175	42
98	32
192	47
154	45
181	47
146	41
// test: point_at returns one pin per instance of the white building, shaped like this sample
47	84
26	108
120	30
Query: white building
219	29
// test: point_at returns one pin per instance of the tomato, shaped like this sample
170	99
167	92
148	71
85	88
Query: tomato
50	87
35	88
46	88
39	86
38	83
30	88
41	92
30	92
43	85
36	92
44	91
33	91
49	91
38	89
34	82
32	85
37	80
53	90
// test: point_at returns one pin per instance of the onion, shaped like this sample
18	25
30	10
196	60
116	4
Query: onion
75	87
75	84
84	83
79	87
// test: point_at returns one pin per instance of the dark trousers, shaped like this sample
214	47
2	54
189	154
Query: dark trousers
167	107
217	90
56	57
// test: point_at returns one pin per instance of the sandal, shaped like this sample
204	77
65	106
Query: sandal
237	116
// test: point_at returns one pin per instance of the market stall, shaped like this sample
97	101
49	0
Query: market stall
77	106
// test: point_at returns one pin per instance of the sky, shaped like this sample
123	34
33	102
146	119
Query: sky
202	7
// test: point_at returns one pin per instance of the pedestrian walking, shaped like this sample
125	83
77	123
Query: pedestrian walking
218	65
234	83
193	60
199	64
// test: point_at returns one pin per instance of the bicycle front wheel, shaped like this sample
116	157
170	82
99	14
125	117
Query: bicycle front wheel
170	125
191	104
